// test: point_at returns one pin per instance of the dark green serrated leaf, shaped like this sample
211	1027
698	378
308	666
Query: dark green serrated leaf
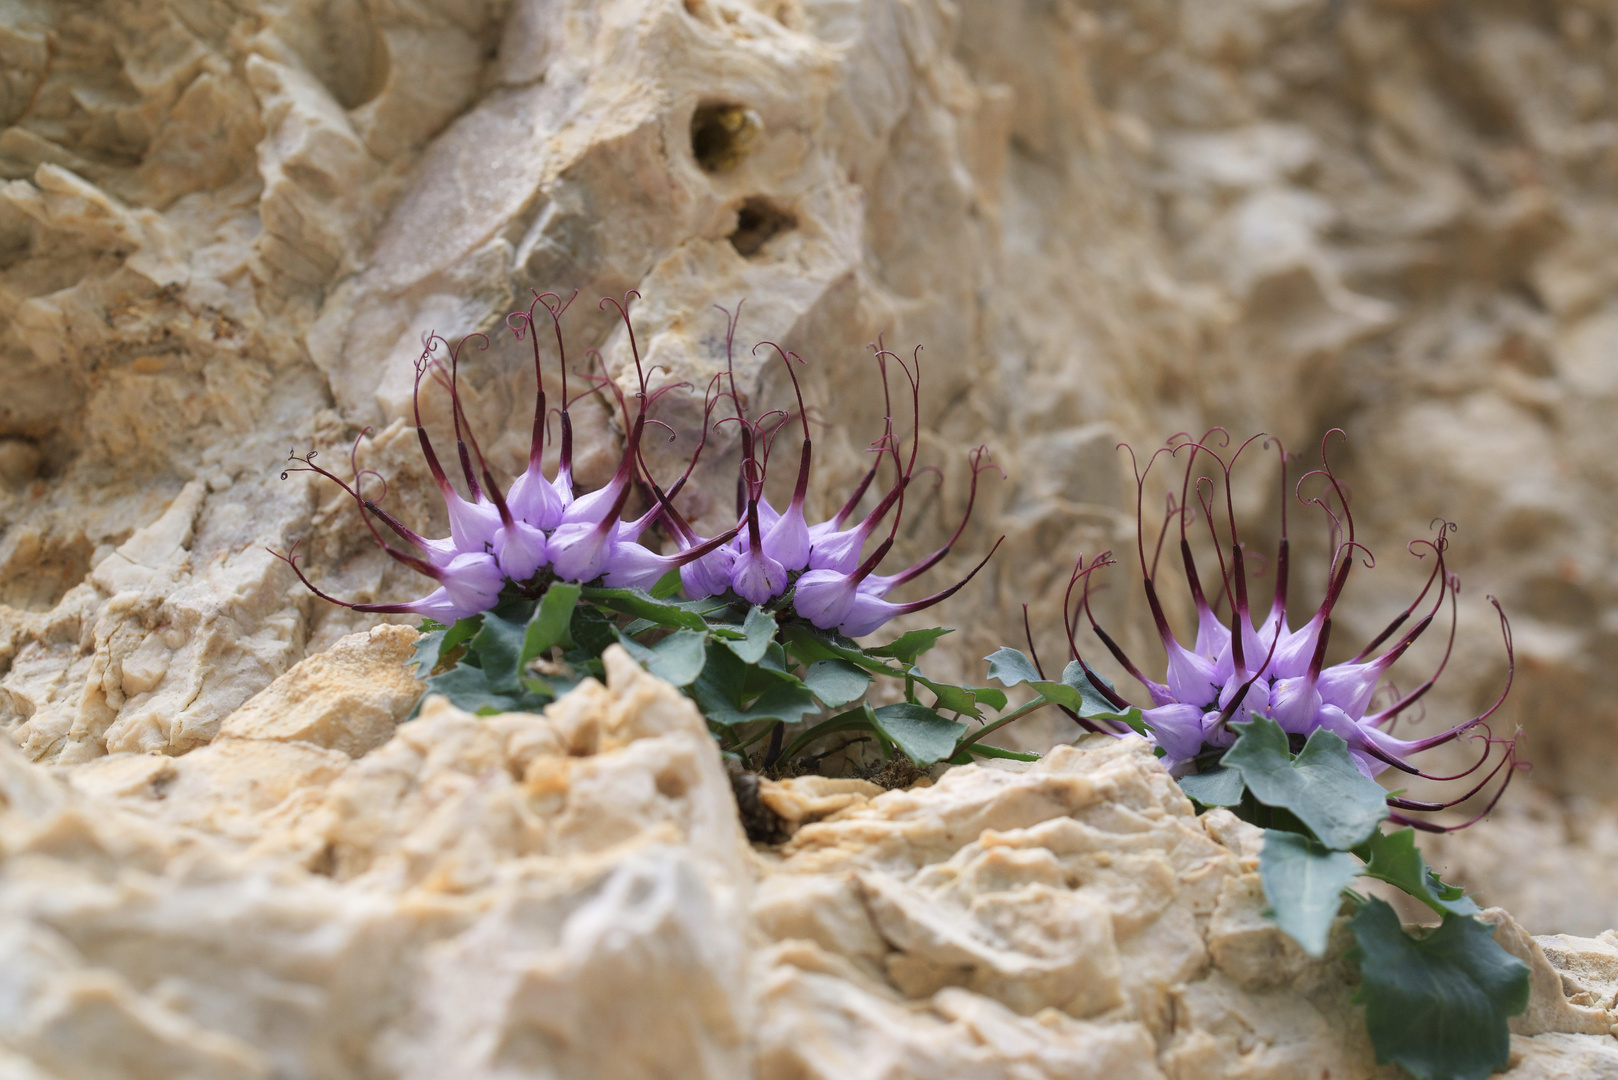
924	736
835	682
1437	1005
788	704
1011	667
468	688
675	615
591	630
1394	858
758	633
722	689
428	648
549	624
1217	786
1322	786
441	642
498	645
908	646
1304	882
947	697
678	658
810	645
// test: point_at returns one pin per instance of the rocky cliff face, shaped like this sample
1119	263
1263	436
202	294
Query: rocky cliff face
223	229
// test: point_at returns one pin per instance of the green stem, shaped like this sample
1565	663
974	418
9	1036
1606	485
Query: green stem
1429	901
854	718
756	736
1003	721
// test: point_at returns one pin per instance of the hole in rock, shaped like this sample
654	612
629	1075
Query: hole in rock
722	134
37	569
757	223
21	462
671	785
342	47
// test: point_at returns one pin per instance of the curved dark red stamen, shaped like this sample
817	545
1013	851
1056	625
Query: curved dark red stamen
411	561
291	559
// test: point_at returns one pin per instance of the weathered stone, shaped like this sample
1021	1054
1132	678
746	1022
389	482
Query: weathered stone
223	229
571	893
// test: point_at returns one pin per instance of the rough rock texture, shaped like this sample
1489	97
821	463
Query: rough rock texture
224	227
492	897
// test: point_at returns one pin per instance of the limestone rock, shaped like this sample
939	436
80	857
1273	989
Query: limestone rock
570	894
223	229
347	698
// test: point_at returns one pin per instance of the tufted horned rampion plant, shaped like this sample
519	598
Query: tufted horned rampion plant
1234	671
540	530
1253	718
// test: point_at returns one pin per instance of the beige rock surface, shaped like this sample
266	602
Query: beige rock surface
222	233
569	894
223	228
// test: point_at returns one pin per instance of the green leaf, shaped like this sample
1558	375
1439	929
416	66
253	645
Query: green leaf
1011	667
468	688
1304	882
499	646
1322	787
789	704
678	658
634	602
429	647
666	586
908	646
835	682
771	668
1394	858
947	697
591	630
722	688
758	631
438	643
1217	786
1074	692
924	736
549	624
810	645
1097	705
1437	1005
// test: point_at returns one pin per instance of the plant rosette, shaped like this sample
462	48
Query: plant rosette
754	673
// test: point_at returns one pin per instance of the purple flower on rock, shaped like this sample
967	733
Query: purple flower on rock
1235	670
539	529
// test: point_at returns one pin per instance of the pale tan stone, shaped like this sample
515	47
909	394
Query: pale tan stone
811	798
347	698
223	230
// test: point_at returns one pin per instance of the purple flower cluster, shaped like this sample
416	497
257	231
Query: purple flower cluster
1233	671
539	530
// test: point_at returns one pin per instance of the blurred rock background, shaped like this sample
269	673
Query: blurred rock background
223	229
